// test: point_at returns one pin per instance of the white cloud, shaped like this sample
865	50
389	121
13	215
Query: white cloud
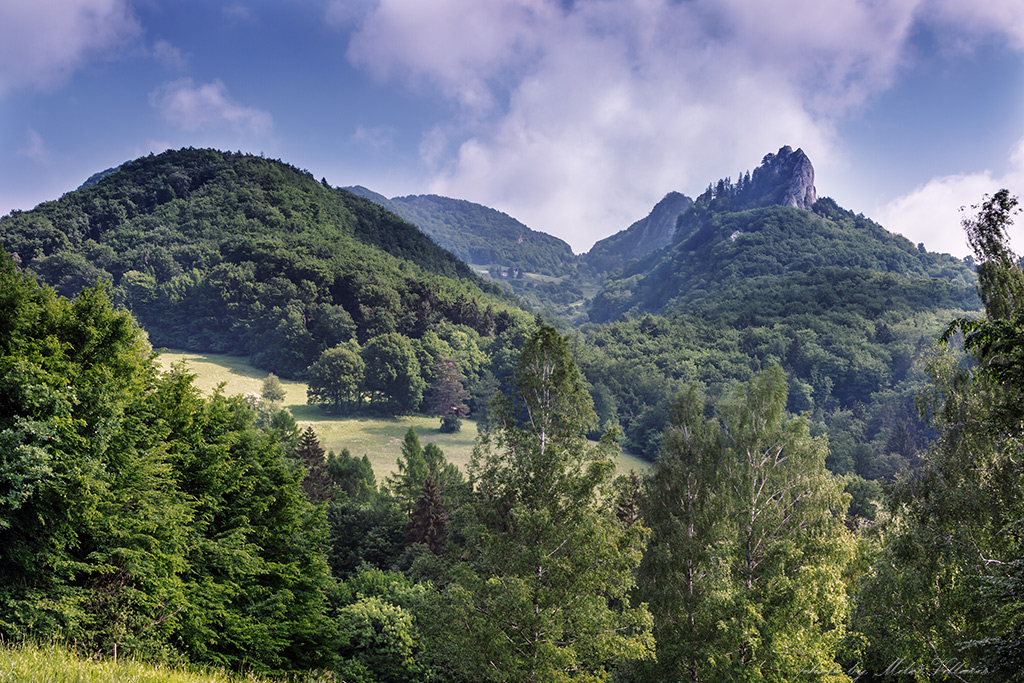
171	57
576	118
456	45
237	14
931	213
43	42
194	107
1001	18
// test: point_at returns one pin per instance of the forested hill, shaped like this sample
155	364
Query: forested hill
646	235
761	273
480	235
735	237
239	254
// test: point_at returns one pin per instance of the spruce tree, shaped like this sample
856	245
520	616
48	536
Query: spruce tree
316	483
428	522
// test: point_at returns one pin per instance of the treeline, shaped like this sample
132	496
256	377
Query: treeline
138	513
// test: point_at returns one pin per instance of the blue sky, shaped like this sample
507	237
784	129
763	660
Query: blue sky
574	116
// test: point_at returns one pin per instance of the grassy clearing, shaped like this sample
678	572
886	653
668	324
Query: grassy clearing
54	664
379	439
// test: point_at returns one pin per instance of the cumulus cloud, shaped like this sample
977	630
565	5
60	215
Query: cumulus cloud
931	213
194	107
577	117
43	42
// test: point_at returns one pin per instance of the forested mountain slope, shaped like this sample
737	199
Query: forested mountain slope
653	232
480	235
761	273
238	254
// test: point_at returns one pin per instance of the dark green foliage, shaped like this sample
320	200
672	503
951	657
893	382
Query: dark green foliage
336	379
480	235
447	396
367	527
238	254
393	379
843	306
946	589
428	521
316	482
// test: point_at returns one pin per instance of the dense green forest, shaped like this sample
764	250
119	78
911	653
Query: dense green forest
247	256
776	363
845	307
496	238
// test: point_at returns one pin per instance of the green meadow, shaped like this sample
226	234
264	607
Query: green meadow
379	439
54	664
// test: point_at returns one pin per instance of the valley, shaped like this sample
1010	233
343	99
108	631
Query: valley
754	412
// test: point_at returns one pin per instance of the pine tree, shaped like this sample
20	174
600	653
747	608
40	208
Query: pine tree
428	522
317	483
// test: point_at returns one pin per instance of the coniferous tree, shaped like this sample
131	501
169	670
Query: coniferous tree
406	484
317	481
428	521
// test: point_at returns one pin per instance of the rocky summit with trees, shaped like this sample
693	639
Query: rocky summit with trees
832	417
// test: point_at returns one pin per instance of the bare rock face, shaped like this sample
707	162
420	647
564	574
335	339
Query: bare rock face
797	168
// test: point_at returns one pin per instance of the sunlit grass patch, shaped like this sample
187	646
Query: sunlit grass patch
55	664
379	439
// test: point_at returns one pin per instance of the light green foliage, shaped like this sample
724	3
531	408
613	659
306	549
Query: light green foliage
272	390
32	664
379	638
138	513
744	570
544	595
946	591
382	640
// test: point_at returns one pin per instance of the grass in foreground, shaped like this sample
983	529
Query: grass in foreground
54	664
379	439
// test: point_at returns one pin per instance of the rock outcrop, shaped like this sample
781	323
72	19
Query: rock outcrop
801	193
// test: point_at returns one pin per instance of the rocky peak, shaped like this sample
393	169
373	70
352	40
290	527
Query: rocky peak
794	172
